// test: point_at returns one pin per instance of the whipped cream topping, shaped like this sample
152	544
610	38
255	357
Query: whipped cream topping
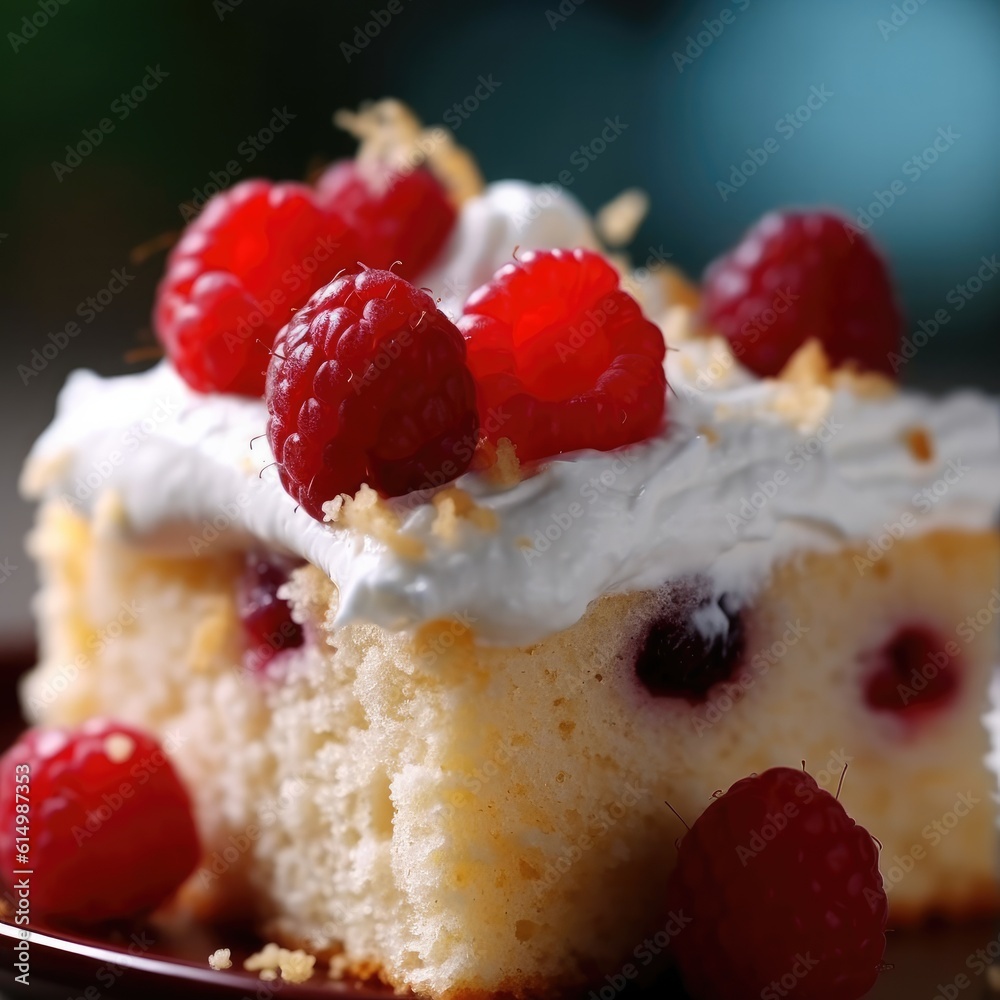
745	473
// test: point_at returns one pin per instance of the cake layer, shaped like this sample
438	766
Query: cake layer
468	819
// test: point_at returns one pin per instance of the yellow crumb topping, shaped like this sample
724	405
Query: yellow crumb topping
220	959
295	966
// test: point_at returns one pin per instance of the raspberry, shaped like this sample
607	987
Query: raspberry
780	890
403	217
369	384
109	825
697	644
267	618
563	358
912	674
243	266
797	275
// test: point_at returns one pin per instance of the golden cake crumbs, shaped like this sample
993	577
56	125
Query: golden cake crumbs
454	506
918	440
709	433
332	509
118	747
524	542
369	514
810	366
617	222
391	134
294	966
221	959
503	468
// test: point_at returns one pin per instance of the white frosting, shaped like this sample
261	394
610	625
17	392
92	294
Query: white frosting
740	478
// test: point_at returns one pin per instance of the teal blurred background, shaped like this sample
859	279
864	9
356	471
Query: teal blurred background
844	101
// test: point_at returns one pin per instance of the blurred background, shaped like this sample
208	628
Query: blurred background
117	115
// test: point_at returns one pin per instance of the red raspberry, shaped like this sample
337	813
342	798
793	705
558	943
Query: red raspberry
109	825
244	265
779	890
797	275
563	358
403	217
369	384
267	618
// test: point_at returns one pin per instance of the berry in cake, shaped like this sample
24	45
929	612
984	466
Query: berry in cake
402	216
109	825
267	618
798	275
564	356
251	258
916	672
782	892
697	642
369	384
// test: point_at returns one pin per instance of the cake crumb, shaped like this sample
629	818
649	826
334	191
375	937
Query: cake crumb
524	542
810	366
709	433
918	441
295	966
499	462
369	514
455	506
618	221
118	747
221	959
332	509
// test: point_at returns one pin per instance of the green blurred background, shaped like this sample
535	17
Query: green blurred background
696	84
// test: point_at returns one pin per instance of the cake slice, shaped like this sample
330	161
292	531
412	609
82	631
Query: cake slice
433	737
